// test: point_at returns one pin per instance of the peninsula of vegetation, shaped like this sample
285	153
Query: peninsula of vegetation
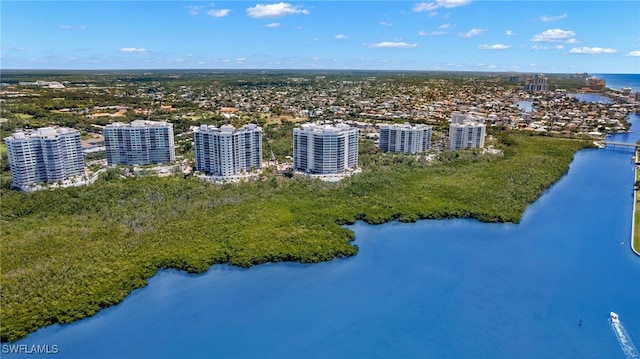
68	253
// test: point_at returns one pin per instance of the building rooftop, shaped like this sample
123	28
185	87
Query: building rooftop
43	132
227	129
340	127
405	125
141	123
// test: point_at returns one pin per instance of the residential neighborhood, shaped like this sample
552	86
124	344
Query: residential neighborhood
140	119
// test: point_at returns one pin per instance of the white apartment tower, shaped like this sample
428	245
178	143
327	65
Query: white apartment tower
139	143
536	83
404	138
45	155
325	149
227	151
466	131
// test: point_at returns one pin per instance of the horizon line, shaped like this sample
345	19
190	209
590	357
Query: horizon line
306	69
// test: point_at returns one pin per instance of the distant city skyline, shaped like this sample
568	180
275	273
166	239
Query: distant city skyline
446	35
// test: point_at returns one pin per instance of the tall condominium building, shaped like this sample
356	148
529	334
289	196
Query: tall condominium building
404	138
536	83
466	131
596	84
139	143
325	149
227	151
46	155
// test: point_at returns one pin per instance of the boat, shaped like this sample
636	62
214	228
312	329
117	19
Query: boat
614	317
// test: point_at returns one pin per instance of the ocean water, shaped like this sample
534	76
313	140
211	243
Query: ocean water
458	288
618	81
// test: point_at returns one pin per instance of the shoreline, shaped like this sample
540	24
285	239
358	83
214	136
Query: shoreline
131	256
634	219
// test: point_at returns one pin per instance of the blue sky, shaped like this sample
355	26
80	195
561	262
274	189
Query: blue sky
450	35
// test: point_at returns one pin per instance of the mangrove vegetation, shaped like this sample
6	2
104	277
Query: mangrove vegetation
68	253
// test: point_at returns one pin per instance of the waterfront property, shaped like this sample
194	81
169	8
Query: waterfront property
466	270
596	84
227	151
326	149
43	156
466	131
405	138
139	143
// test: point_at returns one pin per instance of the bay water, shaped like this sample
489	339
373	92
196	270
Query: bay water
542	288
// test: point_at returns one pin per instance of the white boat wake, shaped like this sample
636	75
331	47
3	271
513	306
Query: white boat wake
626	344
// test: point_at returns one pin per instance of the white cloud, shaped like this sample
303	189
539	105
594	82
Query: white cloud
384	23
273	24
275	10
493	47
634	53
69	27
508	33
472	33
540	47
592	50
133	50
392	45
553	35
341	37
445	26
546	18
430	6
194	9
14	48
425	6
432	33
218	13
572	41
240	60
